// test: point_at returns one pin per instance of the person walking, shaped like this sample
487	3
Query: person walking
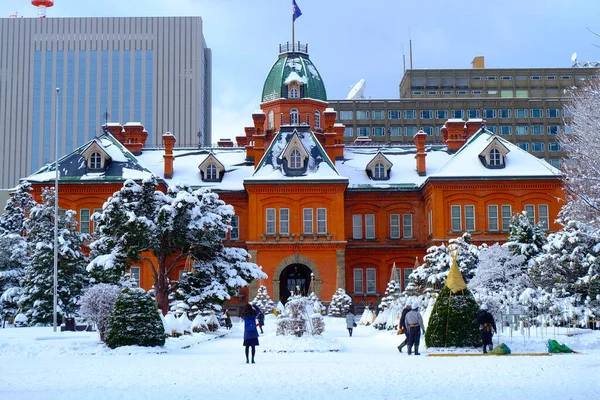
487	326
414	323
228	323
403	324
350	324
261	320
250	332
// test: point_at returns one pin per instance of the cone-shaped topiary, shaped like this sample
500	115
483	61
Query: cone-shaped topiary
135	321
453	320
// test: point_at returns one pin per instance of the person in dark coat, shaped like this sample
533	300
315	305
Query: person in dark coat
487	326
250	331
403	325
414	323
261	320
228	323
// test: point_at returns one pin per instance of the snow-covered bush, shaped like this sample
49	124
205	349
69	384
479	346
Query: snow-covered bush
199	324
98	303
263	300
340	304
299	318
135	321
367	317
212	322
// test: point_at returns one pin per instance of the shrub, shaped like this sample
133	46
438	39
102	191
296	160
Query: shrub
98	303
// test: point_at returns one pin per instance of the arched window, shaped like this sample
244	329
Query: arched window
294	93
495	158
294	117
295	159
211	172
271	123
95	161
317	119
379	171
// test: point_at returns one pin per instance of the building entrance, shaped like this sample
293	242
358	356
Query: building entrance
295	279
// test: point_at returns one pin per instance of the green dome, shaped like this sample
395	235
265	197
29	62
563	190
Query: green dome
293	66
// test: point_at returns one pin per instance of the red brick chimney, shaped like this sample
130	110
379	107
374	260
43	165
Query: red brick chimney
472	126
169	142
115	129
455	134
420	138
134	137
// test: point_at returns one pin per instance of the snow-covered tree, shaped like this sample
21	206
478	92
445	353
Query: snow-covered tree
581	169
98	303
214	280
525	238
499	279
392	293
431	275
318	307
172	226
16	210
263	300
340	303
299	318
569	267
14	258
37	285
135	321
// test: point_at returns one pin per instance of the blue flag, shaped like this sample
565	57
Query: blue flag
295	10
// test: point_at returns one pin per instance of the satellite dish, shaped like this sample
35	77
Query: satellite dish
574	57
357	91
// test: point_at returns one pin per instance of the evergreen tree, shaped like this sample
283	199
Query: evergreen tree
16	210
173	226
392	293
135	321
14	258
37	286
340	303
524	237
263	300
453	319
431	275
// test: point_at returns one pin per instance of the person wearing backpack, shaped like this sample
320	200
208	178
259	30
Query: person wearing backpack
487	326
250	332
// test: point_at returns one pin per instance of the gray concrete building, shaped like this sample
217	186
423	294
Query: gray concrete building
524	105
152	70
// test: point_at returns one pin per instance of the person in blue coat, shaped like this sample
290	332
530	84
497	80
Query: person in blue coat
250	331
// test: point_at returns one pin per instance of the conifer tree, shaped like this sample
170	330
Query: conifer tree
135	321
37	286
524	237
340	303
17	208
392	293
263	300
453	319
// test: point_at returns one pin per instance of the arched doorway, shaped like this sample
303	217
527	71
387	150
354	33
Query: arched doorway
295	278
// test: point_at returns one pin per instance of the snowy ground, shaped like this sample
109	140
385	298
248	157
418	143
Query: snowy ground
36	363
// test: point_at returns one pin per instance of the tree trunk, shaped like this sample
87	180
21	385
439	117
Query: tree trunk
161	286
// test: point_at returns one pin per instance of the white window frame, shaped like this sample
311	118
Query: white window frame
543	216
493	217
295	159
135	274
284	221
506	216
407	226
407	272
530	208
294	117
394	226
99	211
321	221
271	120
371	280
317	119
95	160
430	222
84	220
379	171
456	220
495	159
469	218
271	221
308	221
369	226
234	233
358	280
357	231
294	93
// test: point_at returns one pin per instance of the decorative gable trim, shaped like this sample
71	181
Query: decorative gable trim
294	156
494	154
379	167
97	159
211	169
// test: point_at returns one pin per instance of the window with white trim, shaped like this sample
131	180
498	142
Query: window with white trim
346	115
492	217
294	93
495	159
470	218
294	117
271	119
134	275
357	226
370	226
407	272
308	221
430	222
211	172
295	159
317	119
395	226
95	160
441	114
456	218
530	210
96	220
371	280
407	226
84	220
234	233
358	280
284	221
271	221
362	114
543	215
321	221
379	171
506	215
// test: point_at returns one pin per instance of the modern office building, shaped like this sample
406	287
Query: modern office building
523	105
155	70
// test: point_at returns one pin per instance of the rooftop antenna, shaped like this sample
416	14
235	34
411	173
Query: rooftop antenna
410	48
357	91
403	60
106	116
574	58
42	5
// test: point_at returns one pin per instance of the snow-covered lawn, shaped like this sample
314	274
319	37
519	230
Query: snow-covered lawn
36	363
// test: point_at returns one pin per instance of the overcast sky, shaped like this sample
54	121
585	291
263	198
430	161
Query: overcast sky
351	39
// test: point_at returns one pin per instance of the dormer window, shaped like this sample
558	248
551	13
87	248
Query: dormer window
317	120
294	156
211	172
95	160
295	159
379	171
494	155
379	168
495	159
294	117
294	93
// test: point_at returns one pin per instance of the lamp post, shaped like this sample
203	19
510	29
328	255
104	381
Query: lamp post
55	285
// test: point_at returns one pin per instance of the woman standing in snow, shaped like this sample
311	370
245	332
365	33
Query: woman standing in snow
250	332
350	324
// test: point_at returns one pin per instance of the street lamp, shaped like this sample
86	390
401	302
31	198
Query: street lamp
55	286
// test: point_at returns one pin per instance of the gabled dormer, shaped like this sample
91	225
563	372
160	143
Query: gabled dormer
294	157
96	158
379	168
211	169
493	156
295	85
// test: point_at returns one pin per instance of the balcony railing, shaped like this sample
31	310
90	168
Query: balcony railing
293	48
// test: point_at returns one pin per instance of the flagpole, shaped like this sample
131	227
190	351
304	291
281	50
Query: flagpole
293	33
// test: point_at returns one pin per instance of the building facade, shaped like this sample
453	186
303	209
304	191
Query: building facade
312	209
523	105
151	69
